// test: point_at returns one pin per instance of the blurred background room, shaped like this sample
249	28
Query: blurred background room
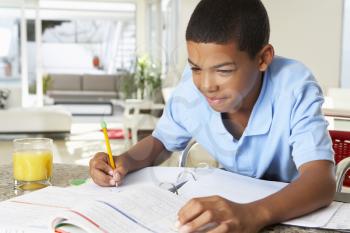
67	64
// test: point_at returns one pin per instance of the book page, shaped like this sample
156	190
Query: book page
32	212
341	219
139	208
317	218
243	189
142	208
53	196
95	216
235	187
15	217
151	206
148	175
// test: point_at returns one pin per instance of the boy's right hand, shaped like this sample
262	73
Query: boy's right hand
103	174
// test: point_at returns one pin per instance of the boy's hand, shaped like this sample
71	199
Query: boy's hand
103	174
216	214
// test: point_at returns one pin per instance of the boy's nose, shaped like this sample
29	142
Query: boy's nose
208	83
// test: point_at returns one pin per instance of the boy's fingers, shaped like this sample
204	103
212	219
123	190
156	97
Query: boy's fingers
121	170
120	167
193	208
199	222
101	156
102	179
100	170
119	174
103	174
104	167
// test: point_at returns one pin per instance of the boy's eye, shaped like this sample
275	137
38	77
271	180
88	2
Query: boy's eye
194	69
225	71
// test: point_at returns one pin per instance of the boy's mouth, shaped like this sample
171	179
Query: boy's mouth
215	100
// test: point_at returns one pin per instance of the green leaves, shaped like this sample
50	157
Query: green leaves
147	77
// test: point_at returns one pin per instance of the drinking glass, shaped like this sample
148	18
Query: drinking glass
32	163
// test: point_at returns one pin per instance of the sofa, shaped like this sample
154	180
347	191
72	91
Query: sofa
85	87
49	120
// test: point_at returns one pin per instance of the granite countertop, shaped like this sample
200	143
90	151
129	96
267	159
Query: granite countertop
62	173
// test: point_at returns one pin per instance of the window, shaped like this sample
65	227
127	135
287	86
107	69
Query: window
169	33
5	35
154	19
69	46
74	34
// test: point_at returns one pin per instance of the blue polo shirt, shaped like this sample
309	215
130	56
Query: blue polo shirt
285	130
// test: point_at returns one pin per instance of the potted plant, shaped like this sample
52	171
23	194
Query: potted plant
128	86
47	83
147	77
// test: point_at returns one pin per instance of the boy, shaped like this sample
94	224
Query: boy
257	114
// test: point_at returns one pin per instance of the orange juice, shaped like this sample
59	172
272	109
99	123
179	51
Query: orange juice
32	165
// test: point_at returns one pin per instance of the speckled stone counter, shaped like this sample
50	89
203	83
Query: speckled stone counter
64	172
288	229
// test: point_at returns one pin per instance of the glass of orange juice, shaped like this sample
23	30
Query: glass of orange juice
32	163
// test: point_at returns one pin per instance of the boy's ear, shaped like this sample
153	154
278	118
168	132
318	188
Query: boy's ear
266	55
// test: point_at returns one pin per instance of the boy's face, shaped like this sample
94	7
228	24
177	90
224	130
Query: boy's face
226	77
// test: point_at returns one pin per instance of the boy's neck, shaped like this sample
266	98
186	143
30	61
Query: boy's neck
236	122
250	100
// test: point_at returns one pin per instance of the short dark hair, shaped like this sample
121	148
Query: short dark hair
222	21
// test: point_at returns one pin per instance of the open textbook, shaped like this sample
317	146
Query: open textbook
140	206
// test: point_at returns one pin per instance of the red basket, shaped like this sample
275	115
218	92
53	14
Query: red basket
341	147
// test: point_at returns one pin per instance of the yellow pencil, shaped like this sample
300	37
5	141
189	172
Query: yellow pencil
108	145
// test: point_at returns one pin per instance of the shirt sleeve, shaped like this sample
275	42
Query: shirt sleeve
170	129
309	137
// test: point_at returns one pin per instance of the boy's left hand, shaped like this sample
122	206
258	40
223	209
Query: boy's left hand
222	214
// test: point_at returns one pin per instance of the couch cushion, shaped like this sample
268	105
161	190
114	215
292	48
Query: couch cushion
66	82
99	82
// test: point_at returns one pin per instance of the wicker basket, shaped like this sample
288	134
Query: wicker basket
341	147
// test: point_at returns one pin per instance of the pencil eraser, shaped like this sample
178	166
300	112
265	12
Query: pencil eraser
103	124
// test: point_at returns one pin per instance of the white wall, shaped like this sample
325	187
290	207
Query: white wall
345	72
310	31
307	30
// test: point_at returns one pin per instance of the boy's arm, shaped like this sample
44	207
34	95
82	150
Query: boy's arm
145	153
313	189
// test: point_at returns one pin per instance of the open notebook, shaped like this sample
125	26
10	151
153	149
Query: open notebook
140	206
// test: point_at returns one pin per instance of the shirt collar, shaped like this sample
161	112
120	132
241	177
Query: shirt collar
216	122
261	117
